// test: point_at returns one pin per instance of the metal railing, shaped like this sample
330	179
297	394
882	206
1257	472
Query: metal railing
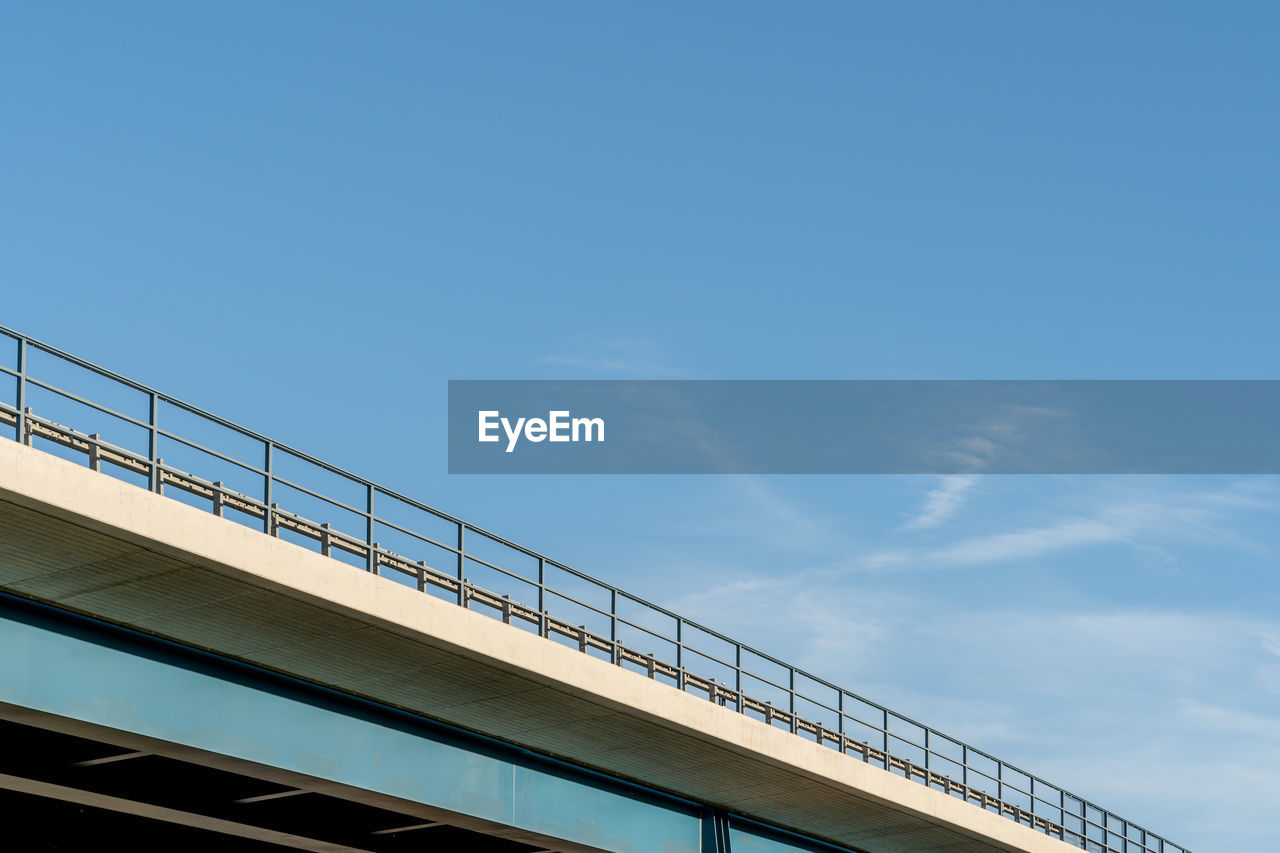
273	487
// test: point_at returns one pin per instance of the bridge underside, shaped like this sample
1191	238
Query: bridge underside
73	792
105	729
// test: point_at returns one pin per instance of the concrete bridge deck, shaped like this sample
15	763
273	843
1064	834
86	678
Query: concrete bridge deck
90	543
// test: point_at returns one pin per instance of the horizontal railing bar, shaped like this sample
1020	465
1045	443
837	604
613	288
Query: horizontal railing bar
415	504
276	478
764	680
497	540
79	362
699	652
71	395
377	519
355	479
209	450
572	600
660	636
488	565
507	572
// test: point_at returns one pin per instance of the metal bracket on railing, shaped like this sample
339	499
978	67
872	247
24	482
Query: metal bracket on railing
94	451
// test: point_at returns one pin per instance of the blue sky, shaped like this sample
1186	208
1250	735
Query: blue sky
309	217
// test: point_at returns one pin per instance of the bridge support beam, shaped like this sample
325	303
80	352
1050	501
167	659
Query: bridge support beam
161	697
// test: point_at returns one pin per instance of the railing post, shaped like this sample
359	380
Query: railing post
737	676
153	445
368	532
840	719
885	733
462	565
21	435
267	480
613	625
791	698
544	629
679	653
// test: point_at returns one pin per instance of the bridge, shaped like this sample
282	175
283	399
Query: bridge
214	639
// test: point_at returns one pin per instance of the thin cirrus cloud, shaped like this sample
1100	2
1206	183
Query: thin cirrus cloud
942	502
1130	522
1133	708
617	357
1165	714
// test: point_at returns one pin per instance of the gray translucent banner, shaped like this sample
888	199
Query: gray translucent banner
865	427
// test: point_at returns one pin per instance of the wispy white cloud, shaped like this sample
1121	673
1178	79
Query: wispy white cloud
620	357
1165	714
1036	541
1139	522
1157	714
987	442
1270	640
942	502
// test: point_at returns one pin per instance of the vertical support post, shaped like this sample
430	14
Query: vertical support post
840	719
95	452
544	629
462	565
926	758
153	445
679	653
1000	784
885	733
613	625
737	676
268	525
21	435
791	698
368	531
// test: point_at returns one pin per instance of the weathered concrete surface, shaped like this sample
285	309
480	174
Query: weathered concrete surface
91	543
